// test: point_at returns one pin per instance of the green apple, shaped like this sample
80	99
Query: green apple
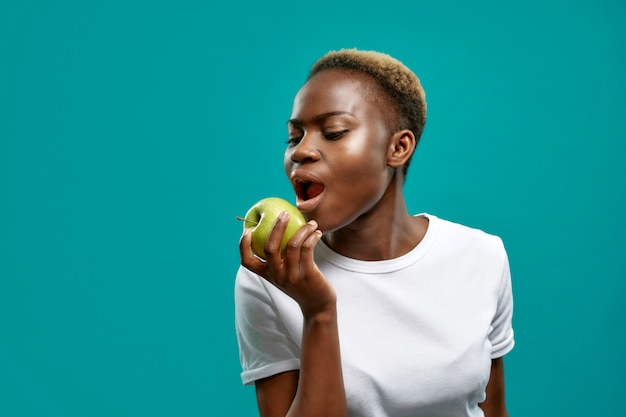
260	219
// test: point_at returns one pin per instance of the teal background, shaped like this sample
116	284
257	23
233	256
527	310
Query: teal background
133	132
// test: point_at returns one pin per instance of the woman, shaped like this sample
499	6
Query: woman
370	311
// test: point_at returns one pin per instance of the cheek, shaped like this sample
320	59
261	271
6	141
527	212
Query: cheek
364	175
367	150
287	163
360	161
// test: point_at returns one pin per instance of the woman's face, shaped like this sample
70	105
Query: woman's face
336	156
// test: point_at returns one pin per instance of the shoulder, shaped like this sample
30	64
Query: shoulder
255	296
250	290
451	229
467	239
247	282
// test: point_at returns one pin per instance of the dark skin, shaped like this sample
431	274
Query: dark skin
340	139
275	394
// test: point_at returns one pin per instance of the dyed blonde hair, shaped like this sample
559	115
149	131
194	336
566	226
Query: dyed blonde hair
402	87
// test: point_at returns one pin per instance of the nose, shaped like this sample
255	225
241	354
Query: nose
306	150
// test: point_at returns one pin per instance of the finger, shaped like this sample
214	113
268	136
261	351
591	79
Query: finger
272	244
308	249
307	254
293	251
247	257
303	233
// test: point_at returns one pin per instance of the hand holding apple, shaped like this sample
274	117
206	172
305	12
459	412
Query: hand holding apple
261	217
295	273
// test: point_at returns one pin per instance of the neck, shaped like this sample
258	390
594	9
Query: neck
387	231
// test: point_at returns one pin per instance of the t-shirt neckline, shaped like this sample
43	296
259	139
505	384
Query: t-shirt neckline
380	267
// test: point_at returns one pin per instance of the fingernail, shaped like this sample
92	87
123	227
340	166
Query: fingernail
313	223
283	215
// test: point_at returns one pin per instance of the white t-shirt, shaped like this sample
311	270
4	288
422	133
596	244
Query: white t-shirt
417	333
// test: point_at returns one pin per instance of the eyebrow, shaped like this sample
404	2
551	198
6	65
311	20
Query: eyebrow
319	118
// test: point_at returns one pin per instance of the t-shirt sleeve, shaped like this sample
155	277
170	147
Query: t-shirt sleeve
501	334
266	347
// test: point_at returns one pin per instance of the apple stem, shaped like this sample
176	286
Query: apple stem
245	220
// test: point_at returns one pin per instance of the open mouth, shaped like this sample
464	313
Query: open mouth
308	190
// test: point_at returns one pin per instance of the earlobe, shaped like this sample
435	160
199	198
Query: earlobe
401	147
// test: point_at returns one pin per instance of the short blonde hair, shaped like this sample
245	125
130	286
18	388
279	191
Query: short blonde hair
402	86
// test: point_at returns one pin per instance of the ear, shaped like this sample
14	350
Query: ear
401	147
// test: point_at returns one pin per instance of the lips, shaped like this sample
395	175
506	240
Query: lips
308	188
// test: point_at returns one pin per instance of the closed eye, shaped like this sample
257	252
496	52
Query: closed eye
294	141
334	135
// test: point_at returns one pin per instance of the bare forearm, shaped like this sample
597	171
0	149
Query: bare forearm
320	386
315	390
494	405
